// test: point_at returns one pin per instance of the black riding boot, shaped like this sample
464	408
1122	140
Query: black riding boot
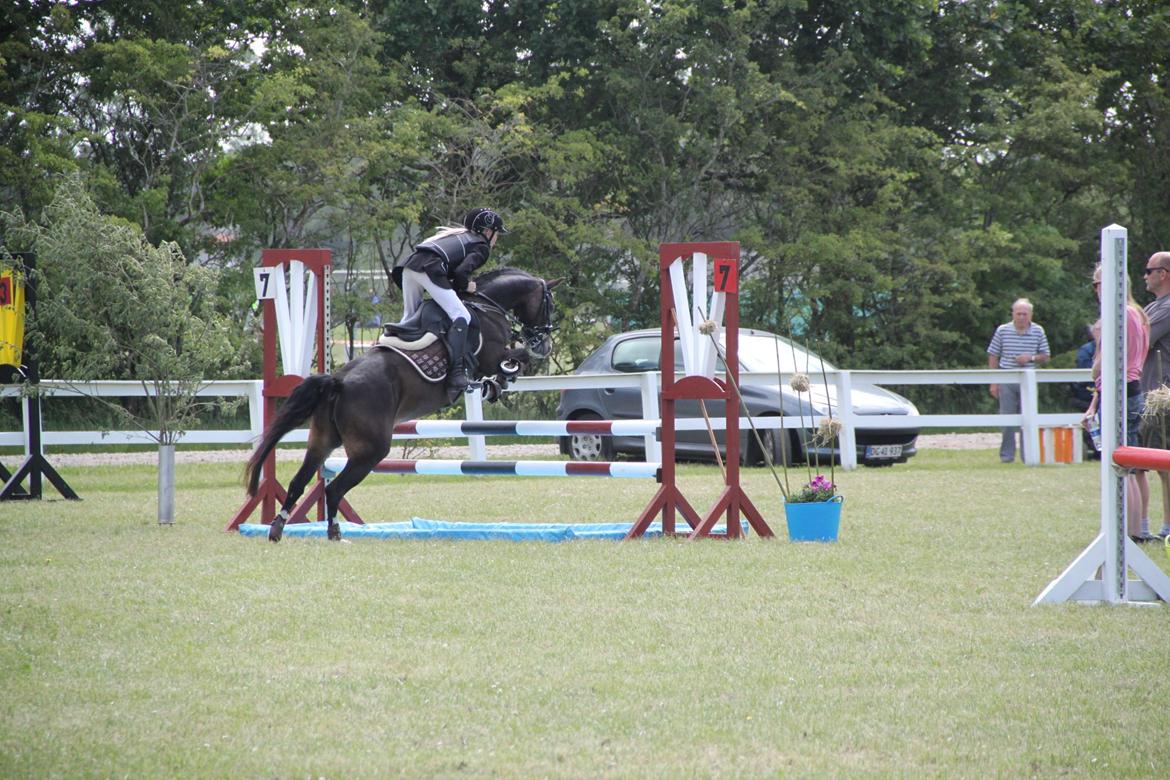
457	380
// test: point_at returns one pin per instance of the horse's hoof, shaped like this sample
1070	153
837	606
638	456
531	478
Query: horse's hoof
276	530
334	532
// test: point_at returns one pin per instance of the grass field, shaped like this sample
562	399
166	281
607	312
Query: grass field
908	648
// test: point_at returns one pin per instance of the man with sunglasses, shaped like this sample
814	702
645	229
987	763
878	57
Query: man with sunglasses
1156	370
1020	343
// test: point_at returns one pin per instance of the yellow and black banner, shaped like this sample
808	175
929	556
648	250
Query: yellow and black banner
11	317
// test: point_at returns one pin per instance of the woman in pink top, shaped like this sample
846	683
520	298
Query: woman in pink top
1137	343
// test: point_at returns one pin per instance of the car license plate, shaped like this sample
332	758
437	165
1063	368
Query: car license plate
882	451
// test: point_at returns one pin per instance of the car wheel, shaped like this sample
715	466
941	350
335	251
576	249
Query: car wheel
590	446
780	447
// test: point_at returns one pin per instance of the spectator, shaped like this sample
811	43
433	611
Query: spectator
1082	392
1156	369
1020	343
1137	341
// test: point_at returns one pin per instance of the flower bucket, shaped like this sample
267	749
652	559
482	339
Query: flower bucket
814	521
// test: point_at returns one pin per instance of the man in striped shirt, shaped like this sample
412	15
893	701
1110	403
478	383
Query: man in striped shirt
1020	343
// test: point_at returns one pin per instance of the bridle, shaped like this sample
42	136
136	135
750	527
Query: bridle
537	338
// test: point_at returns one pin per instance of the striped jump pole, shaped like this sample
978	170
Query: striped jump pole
443	428
505	468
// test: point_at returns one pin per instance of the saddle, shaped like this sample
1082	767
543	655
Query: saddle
421	340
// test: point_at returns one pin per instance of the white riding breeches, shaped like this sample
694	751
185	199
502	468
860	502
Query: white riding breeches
414	283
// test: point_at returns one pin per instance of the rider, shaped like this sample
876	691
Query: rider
442	265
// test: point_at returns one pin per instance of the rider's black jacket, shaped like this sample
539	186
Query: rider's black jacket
448	260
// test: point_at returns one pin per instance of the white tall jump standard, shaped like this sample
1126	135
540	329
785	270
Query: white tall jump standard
1113	552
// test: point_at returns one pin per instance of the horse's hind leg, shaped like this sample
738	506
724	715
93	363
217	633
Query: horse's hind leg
296	489
318	449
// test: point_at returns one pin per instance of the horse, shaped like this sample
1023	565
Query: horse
358	406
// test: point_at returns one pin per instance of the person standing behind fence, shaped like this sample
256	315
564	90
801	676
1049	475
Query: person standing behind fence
1020	343
1156	369
1083	392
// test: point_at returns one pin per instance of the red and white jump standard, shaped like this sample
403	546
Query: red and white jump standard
699	383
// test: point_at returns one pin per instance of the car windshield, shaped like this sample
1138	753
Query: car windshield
766	352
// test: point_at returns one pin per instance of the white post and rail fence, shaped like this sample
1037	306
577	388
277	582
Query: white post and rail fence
1037	426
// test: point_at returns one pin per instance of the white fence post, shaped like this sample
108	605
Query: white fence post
256	408
650	411
1029	425
847	438
25	420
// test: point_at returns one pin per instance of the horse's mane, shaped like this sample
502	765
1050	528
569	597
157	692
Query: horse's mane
496	273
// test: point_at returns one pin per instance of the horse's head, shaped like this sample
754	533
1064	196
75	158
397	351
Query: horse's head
529	299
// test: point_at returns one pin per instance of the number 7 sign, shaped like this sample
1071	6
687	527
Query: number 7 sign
265	288
726	276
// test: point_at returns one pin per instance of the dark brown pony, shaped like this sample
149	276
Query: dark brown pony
359	405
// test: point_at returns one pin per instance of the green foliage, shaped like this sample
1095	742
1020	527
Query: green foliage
113	305
896	172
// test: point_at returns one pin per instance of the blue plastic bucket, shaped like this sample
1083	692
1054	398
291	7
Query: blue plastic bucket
814	521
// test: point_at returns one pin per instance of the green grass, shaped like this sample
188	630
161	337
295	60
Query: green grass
907	648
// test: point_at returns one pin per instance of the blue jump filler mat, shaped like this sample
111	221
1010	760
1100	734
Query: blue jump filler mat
420	528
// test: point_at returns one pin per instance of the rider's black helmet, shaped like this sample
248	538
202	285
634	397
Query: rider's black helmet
479	220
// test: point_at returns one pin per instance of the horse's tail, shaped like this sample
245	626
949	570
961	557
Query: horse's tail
304	400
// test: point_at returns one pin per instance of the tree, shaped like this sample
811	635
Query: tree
35	130
113	305
896	172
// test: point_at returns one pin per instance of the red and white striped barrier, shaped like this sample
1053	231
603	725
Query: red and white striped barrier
526	427
505	468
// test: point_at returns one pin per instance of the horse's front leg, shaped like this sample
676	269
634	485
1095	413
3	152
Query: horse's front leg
354	472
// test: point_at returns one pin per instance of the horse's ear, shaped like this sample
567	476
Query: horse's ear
551	283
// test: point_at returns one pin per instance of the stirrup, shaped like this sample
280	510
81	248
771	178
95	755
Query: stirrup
491	390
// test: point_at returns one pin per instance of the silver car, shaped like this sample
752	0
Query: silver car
760	351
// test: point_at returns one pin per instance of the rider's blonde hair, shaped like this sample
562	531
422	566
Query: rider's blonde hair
1129	299
448	230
